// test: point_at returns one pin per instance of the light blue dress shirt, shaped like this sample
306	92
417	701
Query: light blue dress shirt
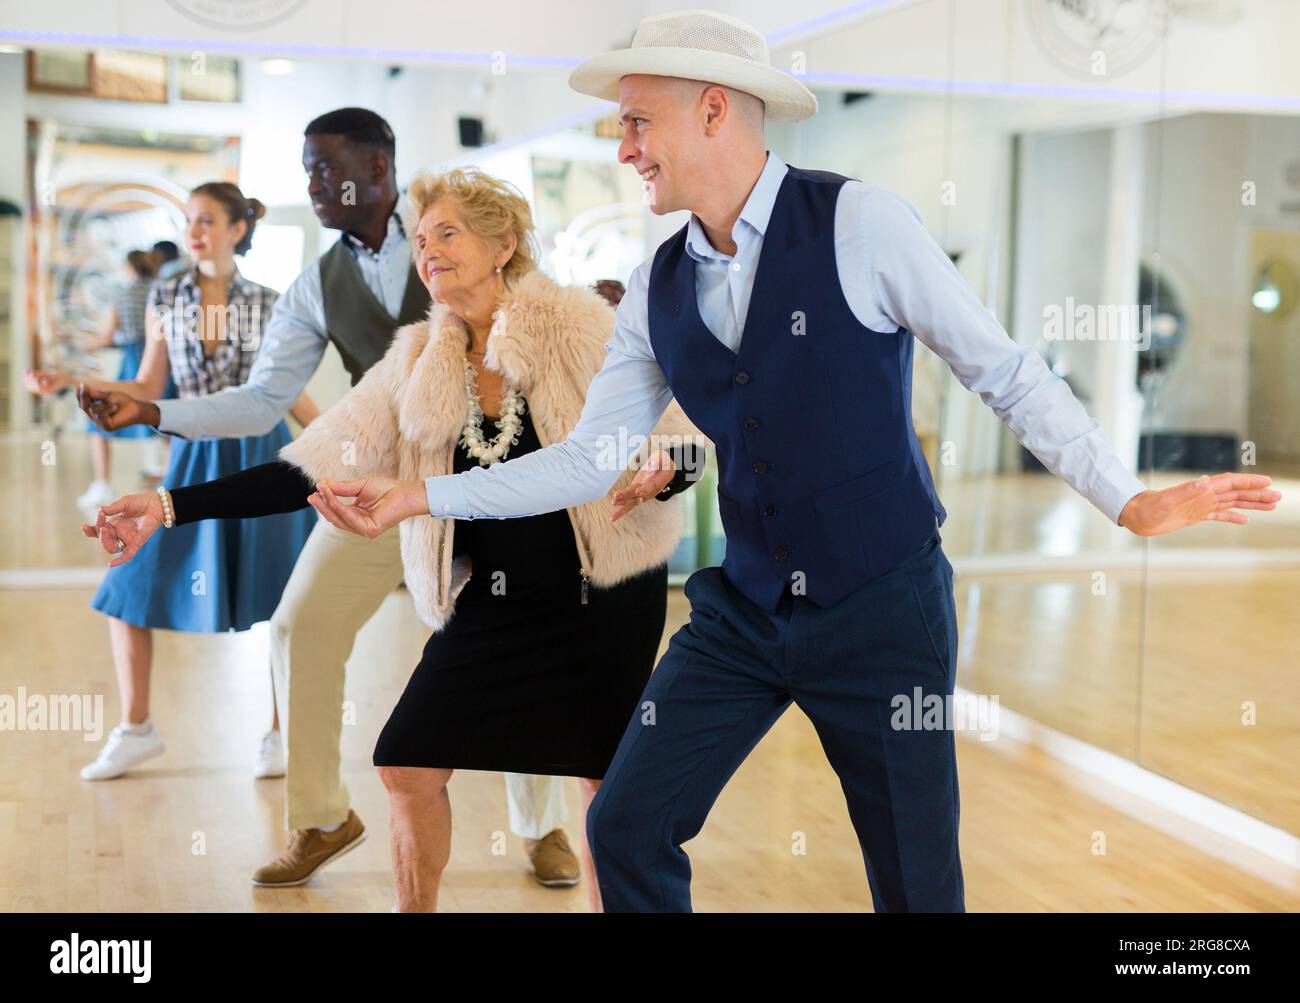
292	346
385	271
894	275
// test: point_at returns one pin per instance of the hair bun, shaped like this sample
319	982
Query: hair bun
255	209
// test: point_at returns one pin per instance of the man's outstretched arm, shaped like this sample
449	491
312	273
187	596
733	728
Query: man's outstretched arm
292	347
626	399
921	290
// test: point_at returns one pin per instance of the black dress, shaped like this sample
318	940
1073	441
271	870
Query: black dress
525	677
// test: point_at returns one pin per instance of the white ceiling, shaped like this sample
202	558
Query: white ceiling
995	48
1209	59
390	30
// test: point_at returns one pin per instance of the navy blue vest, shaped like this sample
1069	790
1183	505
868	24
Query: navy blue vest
822	483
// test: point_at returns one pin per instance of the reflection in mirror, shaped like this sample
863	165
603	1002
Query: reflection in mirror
1217	709
1275	289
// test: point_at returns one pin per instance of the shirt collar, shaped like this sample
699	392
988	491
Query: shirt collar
395	226
756	213
189	283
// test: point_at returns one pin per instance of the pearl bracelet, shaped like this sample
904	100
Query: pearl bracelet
169	515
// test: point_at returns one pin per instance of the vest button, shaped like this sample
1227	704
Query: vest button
751	423
760	467
770	510
742	377
780	553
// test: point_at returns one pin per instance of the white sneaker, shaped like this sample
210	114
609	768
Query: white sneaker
99	493
270	758
121	751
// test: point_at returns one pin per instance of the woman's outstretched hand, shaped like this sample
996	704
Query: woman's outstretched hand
648	482
1216	498
44	382
378	503
123	526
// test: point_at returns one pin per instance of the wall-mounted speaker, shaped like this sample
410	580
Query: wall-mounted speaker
471	131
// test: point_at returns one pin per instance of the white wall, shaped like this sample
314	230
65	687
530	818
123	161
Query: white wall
1064	182
1245	63
560	31
1200	227
1248	60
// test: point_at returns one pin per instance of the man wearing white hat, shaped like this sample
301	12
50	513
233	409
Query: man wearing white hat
782	318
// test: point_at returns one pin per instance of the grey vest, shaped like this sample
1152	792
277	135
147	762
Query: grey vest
357	323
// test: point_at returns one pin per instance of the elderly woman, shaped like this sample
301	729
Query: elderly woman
517	675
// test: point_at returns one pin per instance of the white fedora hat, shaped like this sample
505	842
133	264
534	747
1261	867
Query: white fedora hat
699	45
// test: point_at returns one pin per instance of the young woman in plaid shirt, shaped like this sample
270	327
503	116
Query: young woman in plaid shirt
205	326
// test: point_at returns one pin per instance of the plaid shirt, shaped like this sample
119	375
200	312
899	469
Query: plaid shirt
130	306
239	327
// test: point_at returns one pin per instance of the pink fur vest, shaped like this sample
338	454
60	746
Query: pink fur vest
404	419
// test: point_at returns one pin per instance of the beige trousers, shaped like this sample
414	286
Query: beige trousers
338	583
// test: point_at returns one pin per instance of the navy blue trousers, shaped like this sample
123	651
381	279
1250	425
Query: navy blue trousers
728	675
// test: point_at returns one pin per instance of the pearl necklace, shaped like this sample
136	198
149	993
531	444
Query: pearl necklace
471	436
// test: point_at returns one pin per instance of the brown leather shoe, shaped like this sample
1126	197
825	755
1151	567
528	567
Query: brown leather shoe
310	850
554	864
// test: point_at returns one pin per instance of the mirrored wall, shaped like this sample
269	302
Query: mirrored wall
1152	261
1145	243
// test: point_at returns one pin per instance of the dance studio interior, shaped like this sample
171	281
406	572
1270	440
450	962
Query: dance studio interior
1110	188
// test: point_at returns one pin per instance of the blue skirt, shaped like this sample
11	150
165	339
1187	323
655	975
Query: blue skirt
218	574
132	354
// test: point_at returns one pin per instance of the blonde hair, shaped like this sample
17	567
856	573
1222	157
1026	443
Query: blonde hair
493	209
